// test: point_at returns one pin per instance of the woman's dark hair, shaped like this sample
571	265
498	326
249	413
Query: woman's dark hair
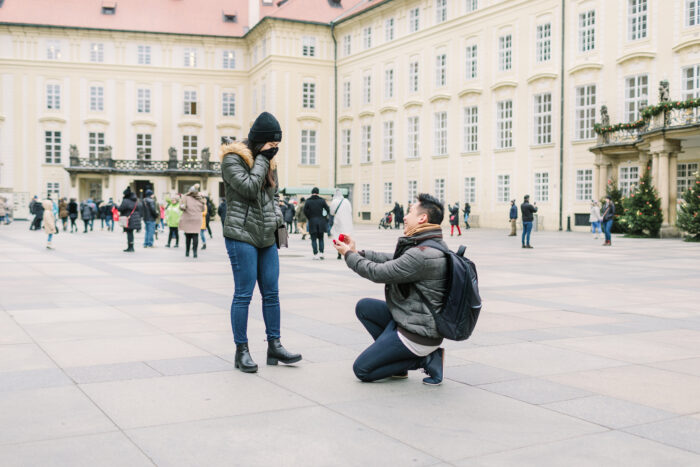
432	207
255	149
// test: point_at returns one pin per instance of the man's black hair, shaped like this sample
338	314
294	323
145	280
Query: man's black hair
314	191
432	207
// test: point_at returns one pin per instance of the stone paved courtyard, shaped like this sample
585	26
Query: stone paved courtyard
583	355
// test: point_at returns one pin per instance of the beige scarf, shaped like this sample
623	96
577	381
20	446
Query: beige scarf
422	228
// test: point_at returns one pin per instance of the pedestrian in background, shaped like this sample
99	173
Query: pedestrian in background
173	213
205	224
87	214
301	218
109	214
193	208
513	219
595	218
454	219
130	215
467	210
314	210
36	208
63	212
3	210
288	214
222	212
608	217
73	214
342	216
161	210
528	210
150	216
211	214
49	222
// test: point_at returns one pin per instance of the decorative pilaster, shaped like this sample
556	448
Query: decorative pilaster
663	187
673	185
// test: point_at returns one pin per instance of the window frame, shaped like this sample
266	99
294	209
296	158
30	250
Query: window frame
637	20
471	58
470	189
228	59
542	119
586	31
505	52
441	70
308	46
639	85
53	145
97	52
143	100
440	11
584	113
584	185
53	96
308	95
144	142
228	104
685	177
366	144
543	41
97	94
414	20
440	133
541	186
389	29
470	138
96	144
190	97
413	137
503	188
346	146
143	54
504	124
388	193
388	133
309	149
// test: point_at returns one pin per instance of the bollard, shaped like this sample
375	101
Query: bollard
568	223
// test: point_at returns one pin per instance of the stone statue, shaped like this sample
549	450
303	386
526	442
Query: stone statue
664	94
205	155
172	153
140	154
74	153
604	117
106	153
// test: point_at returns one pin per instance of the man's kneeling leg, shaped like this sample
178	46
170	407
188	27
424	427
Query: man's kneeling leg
388	356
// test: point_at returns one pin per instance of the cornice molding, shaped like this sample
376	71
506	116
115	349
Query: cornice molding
345	118
366	113
99	121
52	119
388	108
466	92
223	125
504	84
585	66
412	104
635	55
685	45
186	123
540	76
439	97
309	118
144	123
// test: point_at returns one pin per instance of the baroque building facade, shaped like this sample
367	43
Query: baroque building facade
478	101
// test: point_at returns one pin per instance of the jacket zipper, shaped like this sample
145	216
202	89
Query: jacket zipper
245	219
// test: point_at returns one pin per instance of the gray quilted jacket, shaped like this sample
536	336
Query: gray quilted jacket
411	267
253	214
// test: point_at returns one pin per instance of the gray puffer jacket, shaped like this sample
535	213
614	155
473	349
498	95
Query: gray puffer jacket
411	267
253	214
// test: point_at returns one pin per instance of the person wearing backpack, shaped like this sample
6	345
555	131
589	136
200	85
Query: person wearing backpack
403	327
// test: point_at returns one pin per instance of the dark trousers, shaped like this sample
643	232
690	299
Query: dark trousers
64	221
72	225
209	228
129	237
317	242
387	356
87	224
174	234
193	240
36	223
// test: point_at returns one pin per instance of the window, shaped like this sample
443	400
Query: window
414	20
347	44
53	50
189	147
389	141
346	140
389	83
190	107
505	52
366	147
440	189
308	95
53	190
503	189
412	191
365	194
228	104
346	94
692	12
585	111
96	143
308	46
52	145
367	89
308	147
636	95
584	184
53	97
143	145
97	52
470	189
504	124
542	186
543	118
691	82
413	76
471	62
471	129
586	31
629	176
144	54
637	19
389	30
441	70
388	193
190	58
413	149
143	104
441	133
367	37
544	42
97	102
229	60
472	5
685	177
440	11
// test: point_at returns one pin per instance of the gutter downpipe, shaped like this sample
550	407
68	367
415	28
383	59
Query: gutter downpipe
561	117
335	106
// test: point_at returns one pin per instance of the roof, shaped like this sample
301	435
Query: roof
196	17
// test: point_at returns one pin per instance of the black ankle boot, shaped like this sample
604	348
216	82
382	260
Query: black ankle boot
244	361
277	353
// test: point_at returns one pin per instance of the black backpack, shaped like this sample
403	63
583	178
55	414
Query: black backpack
460	311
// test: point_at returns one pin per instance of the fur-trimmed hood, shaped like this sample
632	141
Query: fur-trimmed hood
243	152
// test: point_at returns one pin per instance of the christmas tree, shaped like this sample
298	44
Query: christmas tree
643	209
689	211
615	194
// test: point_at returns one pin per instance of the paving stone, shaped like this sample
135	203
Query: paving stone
609	412
476	374
681	432
190	365
535	391
113	372
33	379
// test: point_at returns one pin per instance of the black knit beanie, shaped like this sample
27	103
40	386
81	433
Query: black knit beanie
265	128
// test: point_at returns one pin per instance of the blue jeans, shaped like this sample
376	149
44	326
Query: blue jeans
202	236
527	228
150	230
595	226
251	265
607	226
110	223
387	356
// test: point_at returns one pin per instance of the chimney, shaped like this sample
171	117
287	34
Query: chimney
253	13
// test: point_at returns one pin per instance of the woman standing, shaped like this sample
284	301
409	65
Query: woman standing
193	207
595	218
131	210
173	213
454	219
301	218
73	214
608	218
467	210
63	212
205	224
342	216
253	218
49	222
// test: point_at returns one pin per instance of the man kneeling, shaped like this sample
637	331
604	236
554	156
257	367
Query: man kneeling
403	327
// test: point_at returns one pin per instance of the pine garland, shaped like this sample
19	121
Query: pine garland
647	114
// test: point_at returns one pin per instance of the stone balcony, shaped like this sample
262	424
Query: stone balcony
171	167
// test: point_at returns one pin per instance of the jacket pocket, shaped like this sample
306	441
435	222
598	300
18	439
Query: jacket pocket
245	219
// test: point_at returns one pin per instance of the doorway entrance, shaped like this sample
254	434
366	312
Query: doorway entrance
184	185
140	187
90	188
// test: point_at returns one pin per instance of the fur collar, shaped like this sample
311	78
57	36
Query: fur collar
243	152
